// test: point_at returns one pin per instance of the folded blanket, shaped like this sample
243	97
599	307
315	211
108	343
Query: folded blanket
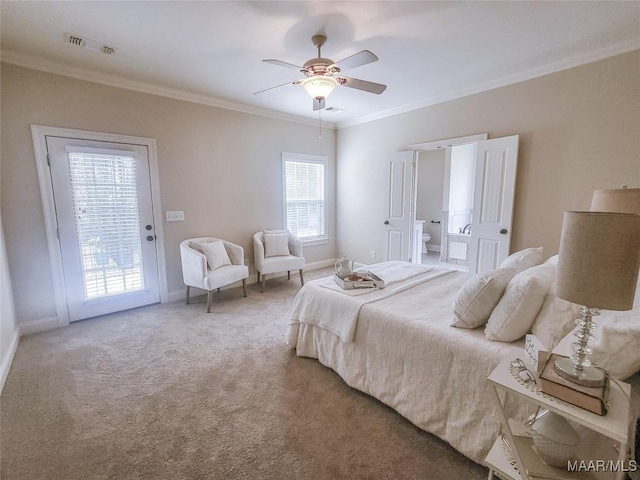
319	303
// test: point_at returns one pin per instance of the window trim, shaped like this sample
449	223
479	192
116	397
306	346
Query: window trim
305	158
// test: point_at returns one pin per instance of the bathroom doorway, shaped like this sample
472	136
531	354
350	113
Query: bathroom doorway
444	204
444	183
477	179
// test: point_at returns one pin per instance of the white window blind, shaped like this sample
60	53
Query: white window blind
304	195
105	200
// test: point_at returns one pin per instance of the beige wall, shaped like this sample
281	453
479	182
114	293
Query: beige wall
222	168
579	131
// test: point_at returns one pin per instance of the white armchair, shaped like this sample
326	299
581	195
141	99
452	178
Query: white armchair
281	252
206	267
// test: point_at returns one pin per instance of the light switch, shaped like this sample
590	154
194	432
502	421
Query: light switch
176	216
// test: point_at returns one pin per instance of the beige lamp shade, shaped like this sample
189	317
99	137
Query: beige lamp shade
621	200
599	259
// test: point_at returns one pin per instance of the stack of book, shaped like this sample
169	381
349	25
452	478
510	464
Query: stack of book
593	399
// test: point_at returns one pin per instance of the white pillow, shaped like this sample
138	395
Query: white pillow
556	318
527	258
478	297
616	343
216	254
514	315
276	244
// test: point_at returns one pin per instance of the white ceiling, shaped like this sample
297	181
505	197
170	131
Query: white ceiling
212	51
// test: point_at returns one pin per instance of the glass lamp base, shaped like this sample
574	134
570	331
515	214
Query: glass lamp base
588	376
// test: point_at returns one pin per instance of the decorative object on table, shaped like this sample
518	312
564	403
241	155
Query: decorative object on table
536	353
344	268
554	438
593	399
359	280
598	268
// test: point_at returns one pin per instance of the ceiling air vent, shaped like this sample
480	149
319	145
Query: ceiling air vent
89	44
75	40
334	109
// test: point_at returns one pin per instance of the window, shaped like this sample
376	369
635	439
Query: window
304	195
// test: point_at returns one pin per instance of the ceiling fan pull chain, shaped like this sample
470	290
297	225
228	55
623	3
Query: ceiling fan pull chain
320	123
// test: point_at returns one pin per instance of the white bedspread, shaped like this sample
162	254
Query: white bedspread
325	304
405	353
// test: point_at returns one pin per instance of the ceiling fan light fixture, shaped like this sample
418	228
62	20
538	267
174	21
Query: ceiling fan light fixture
319	86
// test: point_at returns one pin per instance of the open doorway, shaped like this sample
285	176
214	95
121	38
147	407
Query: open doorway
491	213
443	200
477	205
444	205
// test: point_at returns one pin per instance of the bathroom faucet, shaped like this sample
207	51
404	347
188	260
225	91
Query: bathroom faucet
467	226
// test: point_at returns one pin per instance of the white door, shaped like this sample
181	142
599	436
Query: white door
399	218
494	188
103	204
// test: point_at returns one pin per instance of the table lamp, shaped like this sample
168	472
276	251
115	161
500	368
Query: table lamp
598	268
620	200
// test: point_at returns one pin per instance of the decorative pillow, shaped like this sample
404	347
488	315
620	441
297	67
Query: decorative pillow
527	258
216	254
616	343
514	315
478	297
276	244
556	318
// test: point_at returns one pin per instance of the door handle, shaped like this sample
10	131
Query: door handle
504	231
386	222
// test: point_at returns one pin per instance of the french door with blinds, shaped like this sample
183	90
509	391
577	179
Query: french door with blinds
106	231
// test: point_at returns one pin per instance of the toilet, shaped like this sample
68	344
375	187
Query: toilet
425	238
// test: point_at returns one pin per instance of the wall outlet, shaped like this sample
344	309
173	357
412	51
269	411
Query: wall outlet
373	254
175	216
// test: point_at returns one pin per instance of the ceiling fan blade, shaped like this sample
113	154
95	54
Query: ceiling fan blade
295	82
365	85
280	63
357	60
318	103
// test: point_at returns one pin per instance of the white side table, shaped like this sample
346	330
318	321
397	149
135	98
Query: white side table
519	461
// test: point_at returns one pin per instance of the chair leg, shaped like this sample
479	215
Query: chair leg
288	274
208	301
301	278
244	286
262	283
188	287
218	290
258	277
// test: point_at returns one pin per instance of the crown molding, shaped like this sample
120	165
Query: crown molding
576	61
58	68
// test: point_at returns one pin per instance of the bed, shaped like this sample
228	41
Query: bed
403	351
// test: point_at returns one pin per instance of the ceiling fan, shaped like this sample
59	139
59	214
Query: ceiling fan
323	74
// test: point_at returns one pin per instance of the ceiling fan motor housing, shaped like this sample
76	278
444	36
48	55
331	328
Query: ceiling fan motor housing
319	66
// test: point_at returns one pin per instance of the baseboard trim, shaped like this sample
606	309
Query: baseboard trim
8	360
36	326
433	248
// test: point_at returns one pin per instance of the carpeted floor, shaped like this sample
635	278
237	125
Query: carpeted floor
170	392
